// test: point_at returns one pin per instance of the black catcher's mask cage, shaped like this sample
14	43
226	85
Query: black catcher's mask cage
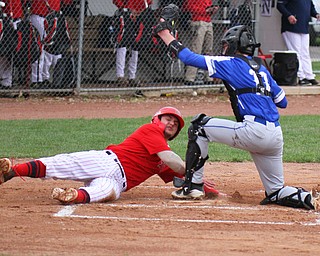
239	38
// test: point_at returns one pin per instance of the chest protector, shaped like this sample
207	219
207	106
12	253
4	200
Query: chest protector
255	64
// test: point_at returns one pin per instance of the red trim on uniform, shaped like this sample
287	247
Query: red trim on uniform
52	32
19	44
82	198
34	169
141	27
121	31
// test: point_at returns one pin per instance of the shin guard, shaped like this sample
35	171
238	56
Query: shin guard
194	160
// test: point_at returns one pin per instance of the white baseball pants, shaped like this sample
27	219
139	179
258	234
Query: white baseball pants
300	44
101	171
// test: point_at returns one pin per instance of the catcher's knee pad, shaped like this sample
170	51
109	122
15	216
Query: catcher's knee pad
290	196
195	129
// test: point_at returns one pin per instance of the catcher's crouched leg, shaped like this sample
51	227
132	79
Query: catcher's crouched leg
290	196
194	161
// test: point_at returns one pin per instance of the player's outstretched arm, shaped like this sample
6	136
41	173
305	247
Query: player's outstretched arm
173	161
166	37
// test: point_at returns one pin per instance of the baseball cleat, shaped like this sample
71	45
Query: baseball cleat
5	167
194	194
65	196
315	197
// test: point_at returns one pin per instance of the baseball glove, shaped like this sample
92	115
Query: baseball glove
315	192
170	15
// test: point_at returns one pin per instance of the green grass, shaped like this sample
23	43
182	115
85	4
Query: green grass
316	67
38	138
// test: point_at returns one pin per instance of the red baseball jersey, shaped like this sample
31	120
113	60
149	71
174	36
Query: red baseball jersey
197	8
137	5
138	155
13	8
40	8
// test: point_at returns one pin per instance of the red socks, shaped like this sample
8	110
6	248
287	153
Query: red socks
34	169
82	198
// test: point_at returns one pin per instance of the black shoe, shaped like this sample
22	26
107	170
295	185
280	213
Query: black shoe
313	81
138	94
3	87
122	82
189	83
134	83
304	82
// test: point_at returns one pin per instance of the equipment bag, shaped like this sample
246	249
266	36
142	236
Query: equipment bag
285	68
64	73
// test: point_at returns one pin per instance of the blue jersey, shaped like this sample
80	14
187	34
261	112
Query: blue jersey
238	74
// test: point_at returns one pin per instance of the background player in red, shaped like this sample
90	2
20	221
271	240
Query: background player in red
130	29
14	10
39	10
202	33
107	173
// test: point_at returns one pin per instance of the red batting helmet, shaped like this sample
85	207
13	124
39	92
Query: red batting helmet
168	111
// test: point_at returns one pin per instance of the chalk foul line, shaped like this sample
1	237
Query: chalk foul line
67	212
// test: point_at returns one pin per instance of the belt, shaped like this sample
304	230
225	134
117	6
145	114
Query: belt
120	167
264	122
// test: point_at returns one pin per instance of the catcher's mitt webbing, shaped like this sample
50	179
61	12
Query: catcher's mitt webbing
170	14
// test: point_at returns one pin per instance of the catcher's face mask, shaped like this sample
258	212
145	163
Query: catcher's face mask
224	48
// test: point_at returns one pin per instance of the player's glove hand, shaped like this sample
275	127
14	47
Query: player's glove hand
169	17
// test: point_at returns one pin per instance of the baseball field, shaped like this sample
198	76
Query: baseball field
146	221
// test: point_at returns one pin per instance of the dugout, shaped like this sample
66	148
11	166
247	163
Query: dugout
266	26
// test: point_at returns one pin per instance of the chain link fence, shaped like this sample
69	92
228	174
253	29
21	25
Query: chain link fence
104	46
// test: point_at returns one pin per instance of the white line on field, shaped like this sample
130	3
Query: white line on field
67	211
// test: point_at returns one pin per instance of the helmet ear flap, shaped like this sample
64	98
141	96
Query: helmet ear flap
247	42
239	38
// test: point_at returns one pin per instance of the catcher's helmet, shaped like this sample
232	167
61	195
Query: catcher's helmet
168	111
239	38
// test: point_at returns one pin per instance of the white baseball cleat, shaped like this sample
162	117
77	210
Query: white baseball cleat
196	193
67	195
5	167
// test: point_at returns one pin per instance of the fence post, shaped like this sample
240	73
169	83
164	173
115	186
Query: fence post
80	46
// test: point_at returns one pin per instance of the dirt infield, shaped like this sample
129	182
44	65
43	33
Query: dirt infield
145	221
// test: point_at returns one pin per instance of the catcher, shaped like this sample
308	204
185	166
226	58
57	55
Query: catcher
107	173
254	97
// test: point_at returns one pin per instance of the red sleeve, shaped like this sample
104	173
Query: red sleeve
137	5
14	8
167	175
118	3
54	4
194	7
141	27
